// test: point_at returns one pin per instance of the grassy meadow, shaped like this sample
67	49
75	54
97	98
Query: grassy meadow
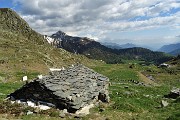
133	96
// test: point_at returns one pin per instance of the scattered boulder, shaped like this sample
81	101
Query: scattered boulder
150	77
164	65
40	76
62	115
127	93
29	112
132	66
101	109
25	78
174	93
164	103
65	111
85	110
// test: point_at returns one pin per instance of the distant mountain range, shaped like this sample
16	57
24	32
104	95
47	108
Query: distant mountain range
175	52
94	50
173	49
117	46
124	46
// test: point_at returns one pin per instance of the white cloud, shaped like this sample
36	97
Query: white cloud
95	18
153	22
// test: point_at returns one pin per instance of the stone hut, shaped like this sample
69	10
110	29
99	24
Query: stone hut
71	89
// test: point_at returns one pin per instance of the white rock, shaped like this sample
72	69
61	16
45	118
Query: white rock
43	107
85	110
164	103
69	97
18	101
63	68
24	78
54	69
12	102
65	111
78	95
40	76
29	113
31	104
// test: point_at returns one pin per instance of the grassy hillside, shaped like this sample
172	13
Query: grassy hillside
24	51
130	100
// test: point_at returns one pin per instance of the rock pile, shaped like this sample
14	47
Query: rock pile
174	93
71	89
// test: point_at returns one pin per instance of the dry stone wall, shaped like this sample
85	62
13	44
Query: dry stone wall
71	89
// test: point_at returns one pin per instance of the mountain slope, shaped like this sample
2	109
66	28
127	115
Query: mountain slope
175	61
169	48
175	52
24	51
95	50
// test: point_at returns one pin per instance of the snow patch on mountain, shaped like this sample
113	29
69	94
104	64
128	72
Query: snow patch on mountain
49	39
53	41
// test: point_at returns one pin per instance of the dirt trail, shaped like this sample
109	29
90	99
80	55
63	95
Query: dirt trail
146	80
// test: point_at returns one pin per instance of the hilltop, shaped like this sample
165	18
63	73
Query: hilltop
23	51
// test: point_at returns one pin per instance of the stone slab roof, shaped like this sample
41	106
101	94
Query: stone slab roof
74	87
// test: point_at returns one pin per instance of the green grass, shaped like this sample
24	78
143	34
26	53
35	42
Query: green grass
139	102
117	72
7	88
2	74
128	100
30	75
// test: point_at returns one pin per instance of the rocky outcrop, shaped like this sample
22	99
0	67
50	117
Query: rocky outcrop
71	89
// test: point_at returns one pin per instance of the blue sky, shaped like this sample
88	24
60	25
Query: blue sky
6	3
144	22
